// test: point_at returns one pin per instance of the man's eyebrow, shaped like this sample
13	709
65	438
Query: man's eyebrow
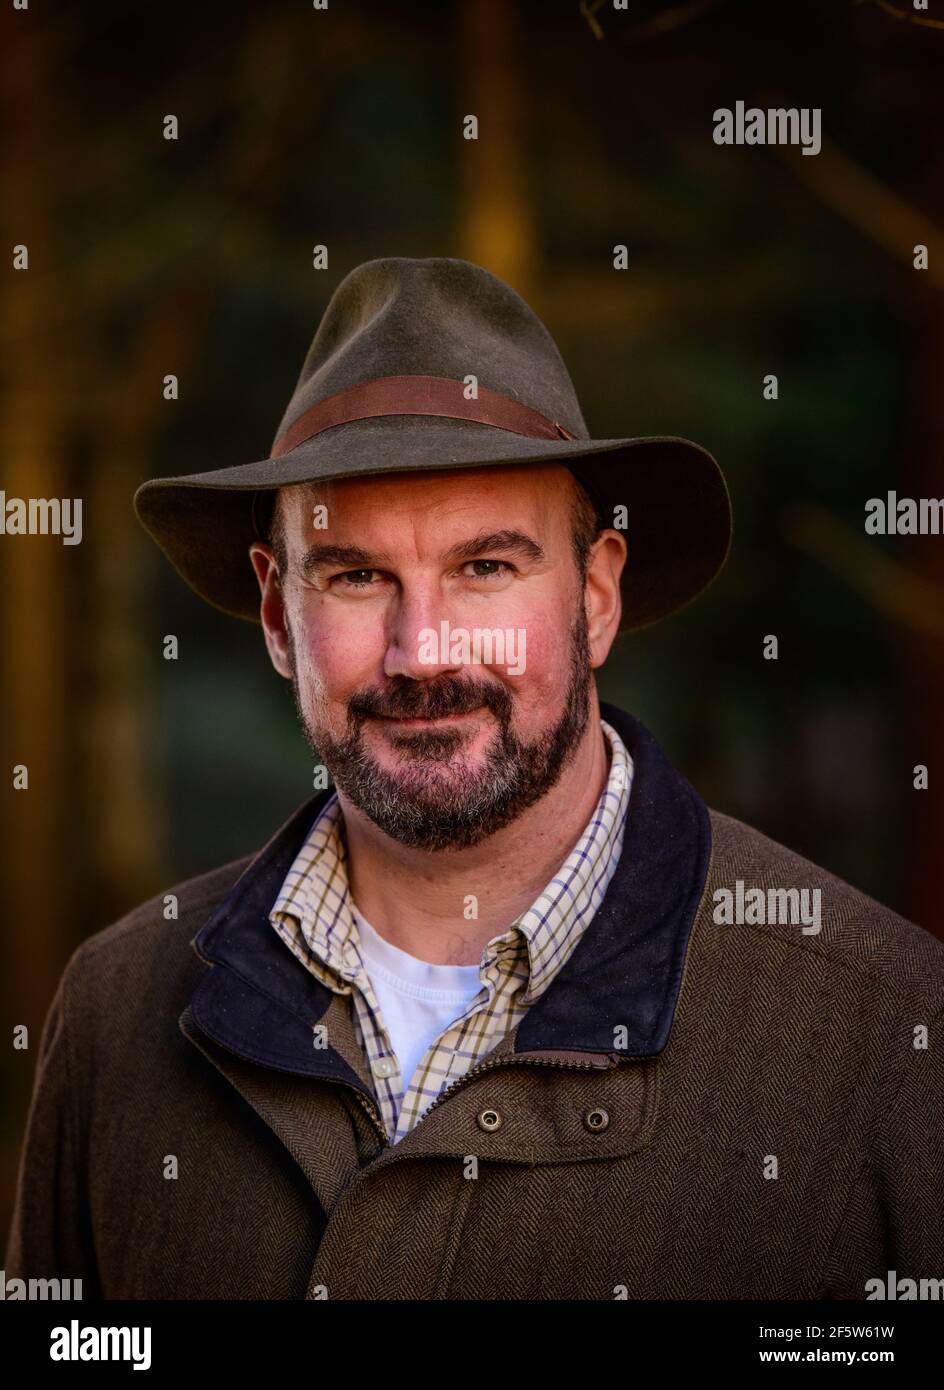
352	555
504	542
495	542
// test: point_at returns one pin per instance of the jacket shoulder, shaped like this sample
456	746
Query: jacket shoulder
853	928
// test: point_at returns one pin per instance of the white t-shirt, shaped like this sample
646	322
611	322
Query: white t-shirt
417	1000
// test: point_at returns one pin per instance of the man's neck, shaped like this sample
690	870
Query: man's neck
443	907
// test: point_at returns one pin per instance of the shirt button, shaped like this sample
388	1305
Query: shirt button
384	1066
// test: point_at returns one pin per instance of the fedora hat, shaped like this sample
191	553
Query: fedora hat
435	364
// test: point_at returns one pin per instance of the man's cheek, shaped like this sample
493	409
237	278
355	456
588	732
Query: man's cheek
344	653
533	658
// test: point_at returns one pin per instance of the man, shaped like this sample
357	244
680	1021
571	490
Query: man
510	1013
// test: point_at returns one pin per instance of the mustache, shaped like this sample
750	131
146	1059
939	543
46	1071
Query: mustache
404	698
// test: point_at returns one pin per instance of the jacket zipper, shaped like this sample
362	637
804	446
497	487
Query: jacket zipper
506	1060
509	1059
373	1114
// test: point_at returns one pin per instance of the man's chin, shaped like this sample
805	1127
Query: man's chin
431	784
428	802
394	743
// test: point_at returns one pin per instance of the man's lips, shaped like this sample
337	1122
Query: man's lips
424	723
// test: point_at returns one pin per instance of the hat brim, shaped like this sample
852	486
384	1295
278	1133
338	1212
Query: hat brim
677	521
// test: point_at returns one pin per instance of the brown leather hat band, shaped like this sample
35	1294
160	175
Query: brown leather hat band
418	395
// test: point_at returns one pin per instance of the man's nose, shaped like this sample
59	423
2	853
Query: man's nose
415	637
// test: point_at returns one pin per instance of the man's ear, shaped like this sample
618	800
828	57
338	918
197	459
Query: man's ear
602	593
272	607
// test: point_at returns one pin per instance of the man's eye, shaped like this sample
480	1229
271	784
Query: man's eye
487	569
354	579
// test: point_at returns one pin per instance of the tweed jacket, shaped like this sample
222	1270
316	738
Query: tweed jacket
693	1109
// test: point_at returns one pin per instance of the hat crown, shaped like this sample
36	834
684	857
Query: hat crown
381	391
436	317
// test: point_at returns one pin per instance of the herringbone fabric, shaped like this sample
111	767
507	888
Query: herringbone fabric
789	1054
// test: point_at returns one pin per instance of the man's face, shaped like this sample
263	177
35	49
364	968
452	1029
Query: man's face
434	629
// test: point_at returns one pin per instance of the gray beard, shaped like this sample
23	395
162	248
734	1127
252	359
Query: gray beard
440	801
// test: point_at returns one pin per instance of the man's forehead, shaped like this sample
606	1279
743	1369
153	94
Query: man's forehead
540	493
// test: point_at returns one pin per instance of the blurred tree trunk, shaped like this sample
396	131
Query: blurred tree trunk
35	571
496	220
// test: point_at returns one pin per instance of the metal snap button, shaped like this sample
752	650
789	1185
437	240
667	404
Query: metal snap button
489	1120
596	1119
